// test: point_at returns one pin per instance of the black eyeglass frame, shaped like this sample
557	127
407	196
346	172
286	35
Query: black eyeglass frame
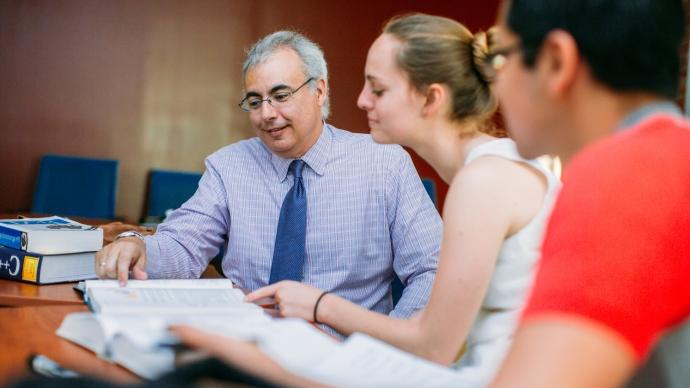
271	98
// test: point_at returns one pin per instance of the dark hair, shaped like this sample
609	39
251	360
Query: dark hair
436	49
629	45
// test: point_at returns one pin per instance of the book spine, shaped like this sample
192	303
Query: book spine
12	238
20	265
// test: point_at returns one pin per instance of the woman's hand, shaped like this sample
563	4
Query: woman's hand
243	355
292	299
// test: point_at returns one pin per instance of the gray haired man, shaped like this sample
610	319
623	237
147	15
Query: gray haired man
301	201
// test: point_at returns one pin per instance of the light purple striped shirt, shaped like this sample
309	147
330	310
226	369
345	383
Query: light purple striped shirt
368	218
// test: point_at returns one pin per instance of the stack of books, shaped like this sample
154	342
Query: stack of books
48	250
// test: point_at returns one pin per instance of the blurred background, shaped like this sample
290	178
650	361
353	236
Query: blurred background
155	84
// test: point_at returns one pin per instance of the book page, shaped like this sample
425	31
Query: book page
83	329
294	343
161	300
156	283
362	361
135	349
162	283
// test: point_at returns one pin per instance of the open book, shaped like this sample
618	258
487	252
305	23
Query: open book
132	337
129	324
164	296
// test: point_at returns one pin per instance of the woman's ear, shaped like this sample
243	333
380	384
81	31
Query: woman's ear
435	100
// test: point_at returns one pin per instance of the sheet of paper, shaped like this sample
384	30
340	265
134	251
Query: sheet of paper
295	343
362	361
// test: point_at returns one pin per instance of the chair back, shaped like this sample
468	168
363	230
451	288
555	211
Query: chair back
430	187
168	190
76	186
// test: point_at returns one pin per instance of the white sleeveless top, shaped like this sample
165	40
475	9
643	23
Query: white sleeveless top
492	330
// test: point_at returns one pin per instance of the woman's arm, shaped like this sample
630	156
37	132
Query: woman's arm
566	351
489	200
486	201
243	355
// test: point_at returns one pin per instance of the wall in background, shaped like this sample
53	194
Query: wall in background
155	83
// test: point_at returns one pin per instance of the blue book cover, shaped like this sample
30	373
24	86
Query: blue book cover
11	237
20	265
30	267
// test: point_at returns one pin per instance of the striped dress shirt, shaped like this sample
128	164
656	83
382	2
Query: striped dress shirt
368	218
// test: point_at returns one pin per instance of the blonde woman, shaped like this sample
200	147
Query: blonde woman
427	87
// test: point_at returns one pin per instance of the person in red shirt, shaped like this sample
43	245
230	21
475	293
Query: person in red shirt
593	82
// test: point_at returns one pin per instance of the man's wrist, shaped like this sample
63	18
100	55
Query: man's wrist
130	233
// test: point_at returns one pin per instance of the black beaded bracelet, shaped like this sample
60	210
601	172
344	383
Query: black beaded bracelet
316	305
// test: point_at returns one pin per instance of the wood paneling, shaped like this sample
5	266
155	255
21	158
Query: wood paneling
155	83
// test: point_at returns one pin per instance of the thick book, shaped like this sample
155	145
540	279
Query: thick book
140	341
50	235
141	345
45	269
129	324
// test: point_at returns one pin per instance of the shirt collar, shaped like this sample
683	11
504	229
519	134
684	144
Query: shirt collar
316	158
648	110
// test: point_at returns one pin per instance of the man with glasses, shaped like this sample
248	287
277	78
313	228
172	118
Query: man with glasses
595	82
301	201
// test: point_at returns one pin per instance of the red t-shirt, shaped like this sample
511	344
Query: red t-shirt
617	248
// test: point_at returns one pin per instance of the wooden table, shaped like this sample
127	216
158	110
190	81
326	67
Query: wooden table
30	330
14	293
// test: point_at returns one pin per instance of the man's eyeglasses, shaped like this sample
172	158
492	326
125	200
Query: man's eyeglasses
498	57
277	98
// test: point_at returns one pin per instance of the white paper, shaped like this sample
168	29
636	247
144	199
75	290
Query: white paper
362	361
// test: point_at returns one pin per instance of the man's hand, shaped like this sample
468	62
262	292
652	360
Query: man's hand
292	299
117	259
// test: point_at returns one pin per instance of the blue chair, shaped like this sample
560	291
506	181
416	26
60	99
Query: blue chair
74	186
169	190
430	186
397	289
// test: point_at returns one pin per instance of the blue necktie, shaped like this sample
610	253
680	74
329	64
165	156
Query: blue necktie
288	251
